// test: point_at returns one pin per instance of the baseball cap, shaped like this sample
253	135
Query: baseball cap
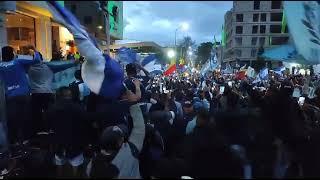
112	135
187	104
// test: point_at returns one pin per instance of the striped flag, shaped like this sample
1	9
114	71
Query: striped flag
172	68
101	74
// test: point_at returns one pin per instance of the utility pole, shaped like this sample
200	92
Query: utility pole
104	9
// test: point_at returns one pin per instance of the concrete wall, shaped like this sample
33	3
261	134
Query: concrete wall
247	9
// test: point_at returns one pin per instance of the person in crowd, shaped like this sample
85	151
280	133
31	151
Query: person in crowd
70	125
120	151
79	89
41	80
13	72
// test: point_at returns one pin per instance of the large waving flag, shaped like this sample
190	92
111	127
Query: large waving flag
150	63
303	20
126	55
103	75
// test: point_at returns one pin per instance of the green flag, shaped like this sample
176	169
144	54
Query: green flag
223	37
283	23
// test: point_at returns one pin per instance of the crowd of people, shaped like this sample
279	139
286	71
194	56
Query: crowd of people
179	126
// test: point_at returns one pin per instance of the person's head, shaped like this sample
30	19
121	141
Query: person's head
203	117
131	69
112	138
187	107
64	93
77	75
7	53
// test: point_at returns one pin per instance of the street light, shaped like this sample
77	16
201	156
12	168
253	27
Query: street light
184	26
171	53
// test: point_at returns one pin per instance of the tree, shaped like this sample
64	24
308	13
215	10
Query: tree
260	63
203	53
183	46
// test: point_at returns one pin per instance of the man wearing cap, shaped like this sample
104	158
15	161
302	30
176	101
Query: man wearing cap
119	149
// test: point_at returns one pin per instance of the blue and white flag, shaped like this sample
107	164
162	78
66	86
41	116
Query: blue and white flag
303	19
148	59
126	55
263	74
101	74
279	70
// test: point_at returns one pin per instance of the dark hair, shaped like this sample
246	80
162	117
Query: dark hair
7	53
77	75
203	114
131	69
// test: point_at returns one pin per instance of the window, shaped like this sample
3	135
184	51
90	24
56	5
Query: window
73	8
254	41
87	20
279	40
238	41
262	29
263	17
276	17
239	17
255	18
254	29
275	4
256	5
275	28
20	30
239	30
253	52
262	41
238	52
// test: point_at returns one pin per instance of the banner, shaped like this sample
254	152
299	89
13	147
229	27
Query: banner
172	68
303	19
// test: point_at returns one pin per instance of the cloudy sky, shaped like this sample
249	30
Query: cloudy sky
157	20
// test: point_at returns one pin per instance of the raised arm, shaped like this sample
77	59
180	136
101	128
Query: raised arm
138	132
61	67
27	60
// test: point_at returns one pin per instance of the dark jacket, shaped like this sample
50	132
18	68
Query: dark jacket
69	123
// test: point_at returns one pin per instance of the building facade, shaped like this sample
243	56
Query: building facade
250	25
91	16
30	22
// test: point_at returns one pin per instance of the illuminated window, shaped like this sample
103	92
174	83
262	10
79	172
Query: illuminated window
20	30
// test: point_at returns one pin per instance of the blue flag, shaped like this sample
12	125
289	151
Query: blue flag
101	74
263	74
126	55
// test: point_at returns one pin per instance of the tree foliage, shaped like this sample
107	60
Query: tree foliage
183	46
203	53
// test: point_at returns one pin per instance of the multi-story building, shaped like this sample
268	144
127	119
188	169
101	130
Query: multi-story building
94	20
250	25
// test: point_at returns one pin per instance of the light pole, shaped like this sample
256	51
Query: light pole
184	26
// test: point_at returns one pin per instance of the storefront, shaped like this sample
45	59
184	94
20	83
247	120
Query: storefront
30	22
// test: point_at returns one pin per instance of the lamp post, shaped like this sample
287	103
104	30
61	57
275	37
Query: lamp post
184	26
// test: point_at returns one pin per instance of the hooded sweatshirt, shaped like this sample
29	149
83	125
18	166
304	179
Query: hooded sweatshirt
41	75
14	75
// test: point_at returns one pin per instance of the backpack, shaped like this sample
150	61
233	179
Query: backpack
74	87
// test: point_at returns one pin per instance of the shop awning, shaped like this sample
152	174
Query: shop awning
285	53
